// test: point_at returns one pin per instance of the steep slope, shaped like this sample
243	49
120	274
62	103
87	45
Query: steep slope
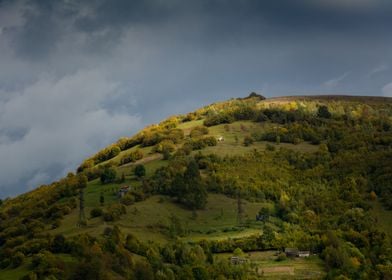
250	173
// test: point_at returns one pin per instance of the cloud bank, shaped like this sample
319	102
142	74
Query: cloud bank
47	128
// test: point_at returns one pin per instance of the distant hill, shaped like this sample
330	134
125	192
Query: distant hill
180	198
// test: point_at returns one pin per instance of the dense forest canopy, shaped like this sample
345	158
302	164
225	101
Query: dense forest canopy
315	171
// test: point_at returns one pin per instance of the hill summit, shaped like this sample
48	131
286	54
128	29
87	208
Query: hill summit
285	188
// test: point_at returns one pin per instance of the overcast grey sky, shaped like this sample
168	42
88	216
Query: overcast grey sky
75	77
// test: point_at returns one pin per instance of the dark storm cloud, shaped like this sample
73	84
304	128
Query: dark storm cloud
104	21
76	75
232	15
118	14
39	33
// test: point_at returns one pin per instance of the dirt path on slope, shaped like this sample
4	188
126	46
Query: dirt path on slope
145	160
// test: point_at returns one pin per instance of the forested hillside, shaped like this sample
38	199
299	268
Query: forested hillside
245	178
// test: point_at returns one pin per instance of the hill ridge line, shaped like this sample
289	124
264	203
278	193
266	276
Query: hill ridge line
332	97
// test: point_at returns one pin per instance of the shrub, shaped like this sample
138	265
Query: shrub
244	113
281	257
114	212
96	212
127	143
151	138
106	154
175	135
56	223
198	131
166	146
198	144
85	165
140	170
296	141
248	140
30	276
132	244
260	117
59	244
219	119
189	117
17	259
238	252
5	262
210	141
131	157
128	199
270	147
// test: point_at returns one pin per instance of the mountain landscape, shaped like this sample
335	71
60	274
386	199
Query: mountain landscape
250	188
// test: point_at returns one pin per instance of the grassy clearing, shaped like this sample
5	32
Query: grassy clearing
265	265
218	220
187	126
16	273
149	220
383	217
221	235
94	190
151	163
234	134
225	149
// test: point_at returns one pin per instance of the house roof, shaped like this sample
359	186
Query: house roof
291	250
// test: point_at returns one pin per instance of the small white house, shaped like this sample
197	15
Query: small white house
303	254
237	260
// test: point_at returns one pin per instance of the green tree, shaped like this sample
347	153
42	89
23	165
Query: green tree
108	175
59	244
122	178
196	197
238	252
200	273
140	170
323	112
264	213
101	199
268	237
82	184
189	188
240	209
143	270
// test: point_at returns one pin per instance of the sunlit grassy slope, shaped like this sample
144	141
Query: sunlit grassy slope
149	219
